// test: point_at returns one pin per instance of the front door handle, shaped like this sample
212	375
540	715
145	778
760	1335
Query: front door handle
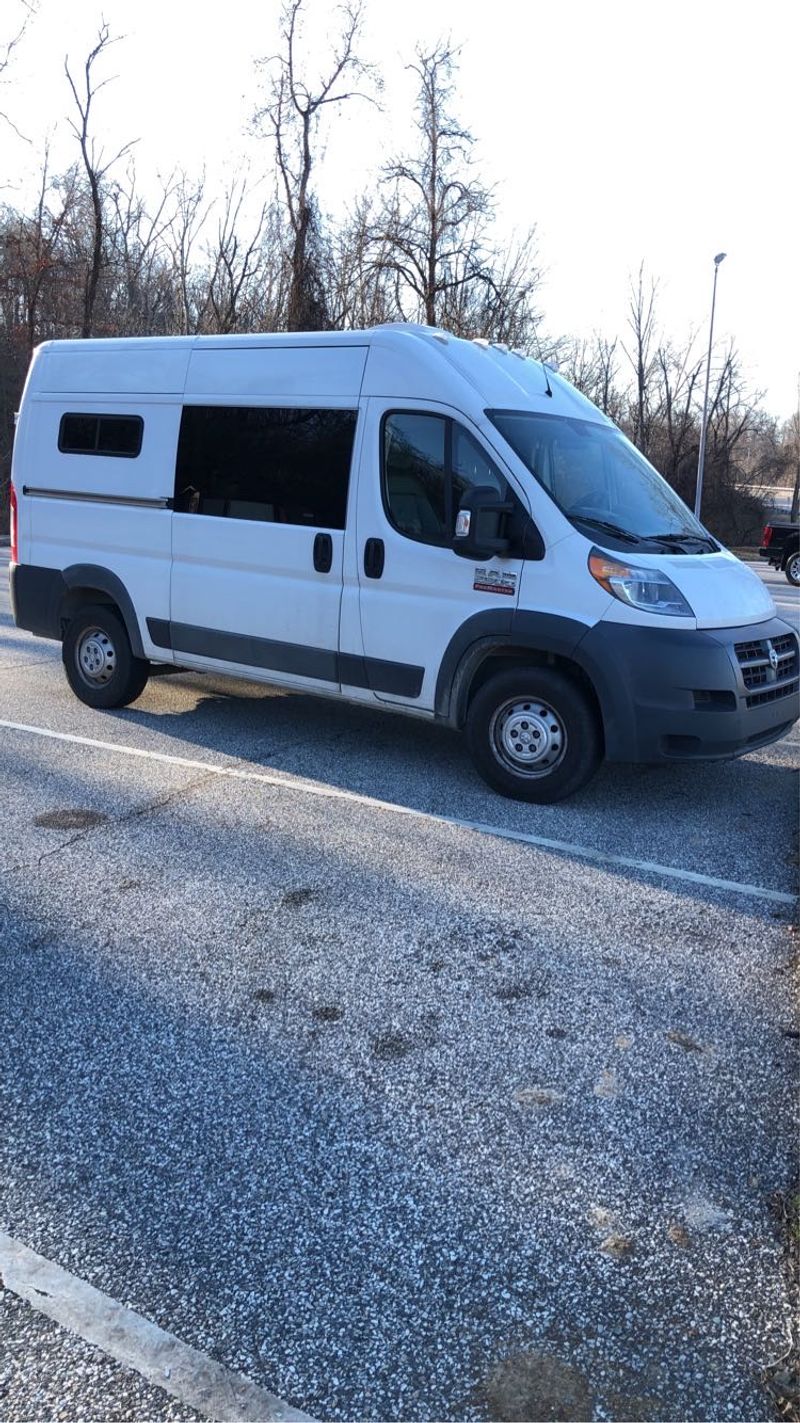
373	558
323	553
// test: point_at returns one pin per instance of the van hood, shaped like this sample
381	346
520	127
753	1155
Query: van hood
721	590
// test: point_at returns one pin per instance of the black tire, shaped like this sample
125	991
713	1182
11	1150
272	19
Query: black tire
100	666
534	734
792	568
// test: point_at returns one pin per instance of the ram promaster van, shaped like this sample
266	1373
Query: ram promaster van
396	517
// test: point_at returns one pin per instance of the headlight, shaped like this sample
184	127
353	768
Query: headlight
645	588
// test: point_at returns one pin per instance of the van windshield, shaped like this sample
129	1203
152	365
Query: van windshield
601	482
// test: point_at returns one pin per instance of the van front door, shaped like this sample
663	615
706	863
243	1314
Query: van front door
414	591
258	540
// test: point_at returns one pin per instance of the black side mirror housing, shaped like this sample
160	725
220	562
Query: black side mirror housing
481	525
478	523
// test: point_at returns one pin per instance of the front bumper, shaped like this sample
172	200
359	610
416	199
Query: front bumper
671	695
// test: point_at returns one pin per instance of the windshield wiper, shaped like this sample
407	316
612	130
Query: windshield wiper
607	527
675	540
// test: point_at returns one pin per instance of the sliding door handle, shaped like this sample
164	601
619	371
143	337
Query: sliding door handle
323	553
373	558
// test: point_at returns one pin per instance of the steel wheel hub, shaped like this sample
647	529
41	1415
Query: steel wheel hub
528	737
96	657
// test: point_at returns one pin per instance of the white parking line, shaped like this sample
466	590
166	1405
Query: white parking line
135	1342
303	787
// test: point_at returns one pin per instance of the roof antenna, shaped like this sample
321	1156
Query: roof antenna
541	361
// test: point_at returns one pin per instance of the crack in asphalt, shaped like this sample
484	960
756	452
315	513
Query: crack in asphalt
19	666
159	803
135	813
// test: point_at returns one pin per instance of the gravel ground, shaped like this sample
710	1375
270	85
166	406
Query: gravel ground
401	1120
44	1370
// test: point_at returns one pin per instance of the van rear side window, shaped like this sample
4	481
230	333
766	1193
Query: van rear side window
101	435
279	466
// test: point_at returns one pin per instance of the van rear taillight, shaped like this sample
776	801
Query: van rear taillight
766	537
14	539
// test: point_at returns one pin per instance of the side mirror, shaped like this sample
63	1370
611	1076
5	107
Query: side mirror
478	523
482	515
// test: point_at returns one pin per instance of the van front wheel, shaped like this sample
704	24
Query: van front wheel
533	735
100	666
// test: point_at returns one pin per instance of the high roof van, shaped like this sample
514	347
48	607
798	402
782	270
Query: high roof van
397	517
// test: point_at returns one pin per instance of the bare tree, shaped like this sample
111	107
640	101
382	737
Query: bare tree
28	10
641	321
95	167
32	257
433	237
292	117
235	265
592	366
142	298
793	441
435	214
438	206
677	376
187	222
731	411
357	291
498	305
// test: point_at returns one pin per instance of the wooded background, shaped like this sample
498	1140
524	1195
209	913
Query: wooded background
92	255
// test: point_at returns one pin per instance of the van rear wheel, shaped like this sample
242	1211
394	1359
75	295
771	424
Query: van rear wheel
100	666
533	735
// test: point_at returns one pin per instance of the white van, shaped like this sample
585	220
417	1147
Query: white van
396	517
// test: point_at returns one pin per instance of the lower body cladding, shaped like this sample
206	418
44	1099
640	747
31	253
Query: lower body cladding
666	694
663	693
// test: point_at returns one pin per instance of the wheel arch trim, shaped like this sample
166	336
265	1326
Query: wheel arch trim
490	631
94	577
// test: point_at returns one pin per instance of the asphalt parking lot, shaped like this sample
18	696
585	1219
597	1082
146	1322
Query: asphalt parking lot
309	1062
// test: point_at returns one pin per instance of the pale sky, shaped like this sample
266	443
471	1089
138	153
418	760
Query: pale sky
624	131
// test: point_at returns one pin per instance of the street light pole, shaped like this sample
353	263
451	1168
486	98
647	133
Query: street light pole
701	458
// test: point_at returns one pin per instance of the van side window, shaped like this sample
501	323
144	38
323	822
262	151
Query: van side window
101	435
414	448
274	465
472	467
429	462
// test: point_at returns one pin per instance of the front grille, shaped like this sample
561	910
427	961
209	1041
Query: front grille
767	662
786	689
756	676
785	646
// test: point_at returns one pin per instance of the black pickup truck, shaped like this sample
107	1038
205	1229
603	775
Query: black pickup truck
780	546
